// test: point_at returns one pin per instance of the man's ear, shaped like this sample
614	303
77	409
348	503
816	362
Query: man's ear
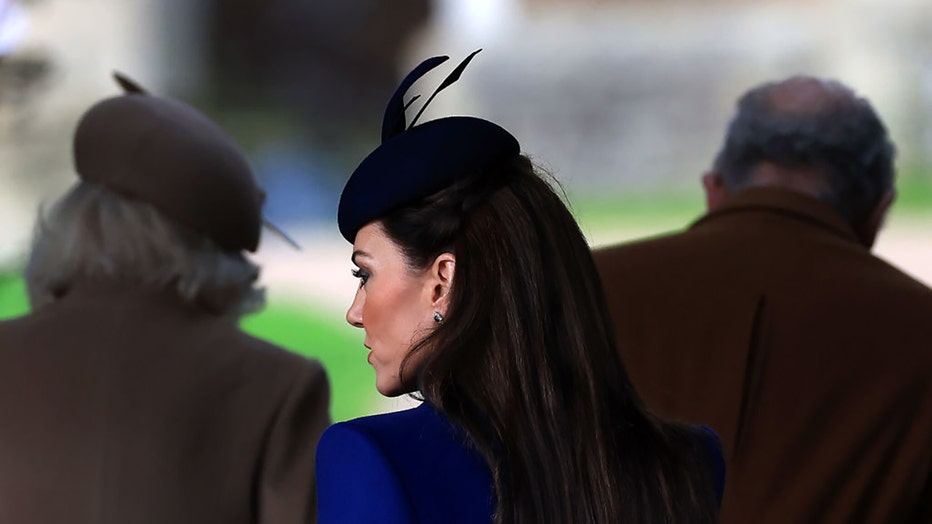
442	272
868	230
715	192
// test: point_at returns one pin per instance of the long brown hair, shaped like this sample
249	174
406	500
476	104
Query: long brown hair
526	362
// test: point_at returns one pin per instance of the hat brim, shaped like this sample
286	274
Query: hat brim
418	163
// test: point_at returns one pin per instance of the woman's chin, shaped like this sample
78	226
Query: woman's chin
392	388
389	390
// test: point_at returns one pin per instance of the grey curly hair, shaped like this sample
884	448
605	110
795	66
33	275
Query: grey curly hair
94	233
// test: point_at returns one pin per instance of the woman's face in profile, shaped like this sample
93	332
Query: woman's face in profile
393	304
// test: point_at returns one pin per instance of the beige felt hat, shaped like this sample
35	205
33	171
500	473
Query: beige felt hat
169	155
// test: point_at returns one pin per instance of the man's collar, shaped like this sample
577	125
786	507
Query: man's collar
785	202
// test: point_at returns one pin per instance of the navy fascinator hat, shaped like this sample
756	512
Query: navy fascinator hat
414	162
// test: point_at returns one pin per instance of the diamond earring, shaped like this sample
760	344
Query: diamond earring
438	318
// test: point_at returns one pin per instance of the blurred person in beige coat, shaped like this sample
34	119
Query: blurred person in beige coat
128	394
770	319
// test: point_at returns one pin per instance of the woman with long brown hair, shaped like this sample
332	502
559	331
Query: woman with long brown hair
478	291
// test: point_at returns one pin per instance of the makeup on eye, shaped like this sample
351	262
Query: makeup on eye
362	275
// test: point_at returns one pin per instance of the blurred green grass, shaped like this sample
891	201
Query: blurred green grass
602	214
326	336
13	301
656	211
310	331
914	192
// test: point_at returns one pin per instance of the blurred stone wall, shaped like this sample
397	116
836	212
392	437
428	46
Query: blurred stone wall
61	67
638	94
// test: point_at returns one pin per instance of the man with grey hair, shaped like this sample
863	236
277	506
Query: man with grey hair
129	394
770	320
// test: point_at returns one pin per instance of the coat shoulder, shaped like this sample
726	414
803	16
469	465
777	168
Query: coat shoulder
418	466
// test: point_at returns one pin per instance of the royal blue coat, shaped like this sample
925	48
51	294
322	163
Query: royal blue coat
414	466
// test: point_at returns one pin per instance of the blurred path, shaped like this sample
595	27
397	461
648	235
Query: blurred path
319	274
907	244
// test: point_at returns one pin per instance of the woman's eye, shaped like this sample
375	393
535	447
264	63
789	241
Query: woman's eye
362	276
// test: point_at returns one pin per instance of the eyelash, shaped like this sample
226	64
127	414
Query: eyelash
362	276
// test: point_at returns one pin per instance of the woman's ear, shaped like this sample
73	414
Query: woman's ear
442	271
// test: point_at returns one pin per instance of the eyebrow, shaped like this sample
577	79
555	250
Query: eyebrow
359	253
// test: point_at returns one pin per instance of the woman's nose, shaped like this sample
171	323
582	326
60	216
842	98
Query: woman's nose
354	313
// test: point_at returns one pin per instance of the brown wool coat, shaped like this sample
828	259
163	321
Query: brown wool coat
811	357
124	406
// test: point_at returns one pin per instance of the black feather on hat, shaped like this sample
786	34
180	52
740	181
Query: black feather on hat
414	162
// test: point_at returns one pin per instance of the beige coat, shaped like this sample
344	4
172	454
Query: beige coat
811	357
123	406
